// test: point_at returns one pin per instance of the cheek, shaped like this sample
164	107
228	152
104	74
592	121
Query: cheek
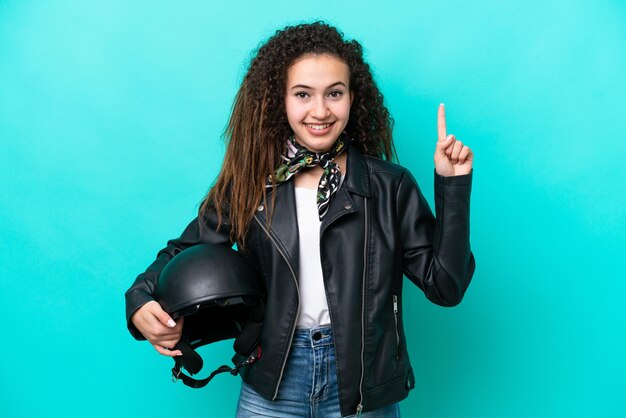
342	109
293	111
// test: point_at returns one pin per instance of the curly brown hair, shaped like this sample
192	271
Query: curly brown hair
258	127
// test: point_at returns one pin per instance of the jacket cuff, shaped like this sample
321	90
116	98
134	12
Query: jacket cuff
462	180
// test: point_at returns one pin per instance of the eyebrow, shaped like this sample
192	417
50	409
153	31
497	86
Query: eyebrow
303	86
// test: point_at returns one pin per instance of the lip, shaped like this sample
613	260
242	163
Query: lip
319	132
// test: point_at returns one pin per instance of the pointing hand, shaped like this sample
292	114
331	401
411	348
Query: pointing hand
452	158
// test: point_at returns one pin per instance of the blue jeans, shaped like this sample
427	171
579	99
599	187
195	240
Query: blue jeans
309	384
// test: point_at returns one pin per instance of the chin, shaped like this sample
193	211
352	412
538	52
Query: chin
317	143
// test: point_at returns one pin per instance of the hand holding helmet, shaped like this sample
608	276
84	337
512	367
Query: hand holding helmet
159	328
221	296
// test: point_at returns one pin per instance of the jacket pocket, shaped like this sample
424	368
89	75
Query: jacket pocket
396	324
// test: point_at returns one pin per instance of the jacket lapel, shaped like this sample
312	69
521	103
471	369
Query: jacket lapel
356	181
284	226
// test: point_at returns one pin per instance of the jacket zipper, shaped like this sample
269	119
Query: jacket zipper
295	278
359	407
395	318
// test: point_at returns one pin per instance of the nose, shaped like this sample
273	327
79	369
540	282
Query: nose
320	109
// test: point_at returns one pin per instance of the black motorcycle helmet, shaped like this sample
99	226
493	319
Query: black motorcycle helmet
221	295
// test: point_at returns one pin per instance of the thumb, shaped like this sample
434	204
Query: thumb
163	316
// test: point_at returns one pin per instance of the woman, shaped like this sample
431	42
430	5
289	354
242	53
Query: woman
309	193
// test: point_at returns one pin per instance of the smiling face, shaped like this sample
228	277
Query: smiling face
318	100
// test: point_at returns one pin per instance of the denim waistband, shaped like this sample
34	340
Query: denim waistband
313	337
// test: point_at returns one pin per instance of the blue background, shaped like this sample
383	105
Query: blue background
111	114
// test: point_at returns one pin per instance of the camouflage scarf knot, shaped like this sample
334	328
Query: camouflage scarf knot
300	158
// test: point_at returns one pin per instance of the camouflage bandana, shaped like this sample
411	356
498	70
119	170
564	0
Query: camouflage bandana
299	158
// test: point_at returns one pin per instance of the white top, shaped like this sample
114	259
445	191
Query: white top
313	306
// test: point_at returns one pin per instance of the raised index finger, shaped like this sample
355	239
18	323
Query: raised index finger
441	122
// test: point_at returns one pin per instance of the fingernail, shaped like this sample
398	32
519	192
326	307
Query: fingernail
171	323
441	104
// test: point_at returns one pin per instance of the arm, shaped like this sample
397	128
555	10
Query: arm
436	250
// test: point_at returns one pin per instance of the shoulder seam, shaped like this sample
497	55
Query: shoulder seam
379	166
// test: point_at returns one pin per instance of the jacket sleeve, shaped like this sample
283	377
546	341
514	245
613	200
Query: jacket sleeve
436	250
197	232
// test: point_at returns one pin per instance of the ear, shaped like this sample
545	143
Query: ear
351	97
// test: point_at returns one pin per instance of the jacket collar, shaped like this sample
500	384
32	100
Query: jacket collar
357	179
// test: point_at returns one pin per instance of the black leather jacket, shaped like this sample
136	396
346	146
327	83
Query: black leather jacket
377	228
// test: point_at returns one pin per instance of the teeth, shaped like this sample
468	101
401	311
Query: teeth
318	127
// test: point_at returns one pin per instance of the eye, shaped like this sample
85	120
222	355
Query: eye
335	94
301	94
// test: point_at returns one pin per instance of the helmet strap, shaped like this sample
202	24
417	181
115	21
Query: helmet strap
177	373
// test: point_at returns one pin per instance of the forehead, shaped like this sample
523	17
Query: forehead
318	71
